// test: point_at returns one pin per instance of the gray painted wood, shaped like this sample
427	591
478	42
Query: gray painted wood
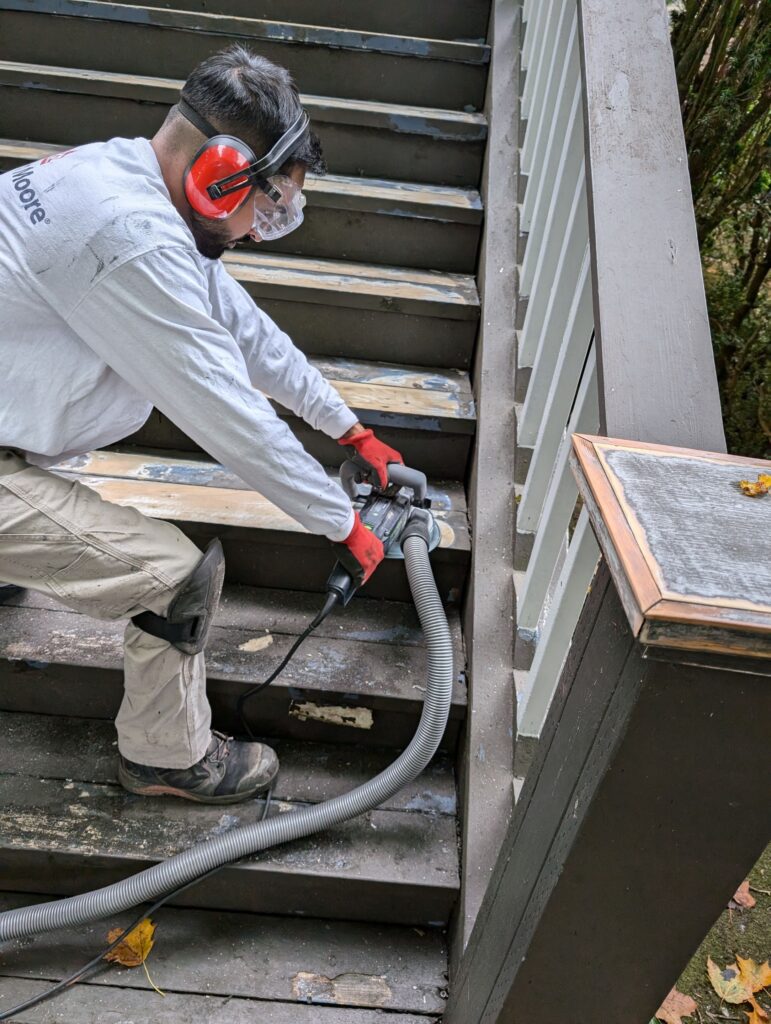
409	143
487	764
450	19
657	372
709	541
356	65
91	1004
244	956
38	745
391	866
349	692
430	228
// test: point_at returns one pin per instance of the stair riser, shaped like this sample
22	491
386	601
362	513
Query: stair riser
396	240
71	691
300	561
233	889
74	118
135	48
440	453
392	239
451	19
387	335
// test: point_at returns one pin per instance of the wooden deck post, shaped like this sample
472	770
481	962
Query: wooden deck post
648	801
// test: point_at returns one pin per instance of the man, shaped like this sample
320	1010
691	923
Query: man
114	301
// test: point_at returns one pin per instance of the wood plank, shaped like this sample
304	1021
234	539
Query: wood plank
40	745
94	1004
488	754
657	368
123	38
452	19
346	691
390	866
126	484
415	225
71	107
212	954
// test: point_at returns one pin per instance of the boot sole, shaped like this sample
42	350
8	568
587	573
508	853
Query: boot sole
158	789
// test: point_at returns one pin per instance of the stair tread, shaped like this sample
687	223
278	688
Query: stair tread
122	477
269	31
89	1003
34	745
333	664
291	961
369	285
101	827
413	119
438	202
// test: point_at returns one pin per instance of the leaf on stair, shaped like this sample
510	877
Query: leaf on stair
742	898
134	949
757	976
675	1007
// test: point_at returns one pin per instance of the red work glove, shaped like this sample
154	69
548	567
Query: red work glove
361	552
374	453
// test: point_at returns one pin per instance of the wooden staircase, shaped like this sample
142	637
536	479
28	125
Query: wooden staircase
378	288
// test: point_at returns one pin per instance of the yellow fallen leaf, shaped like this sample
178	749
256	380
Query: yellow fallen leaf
729	983
134	949
675	1007
757	976
756	488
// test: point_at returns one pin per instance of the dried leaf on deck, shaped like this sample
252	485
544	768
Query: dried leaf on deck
675	1007
756	488
757	976
729	983
135	948
742	897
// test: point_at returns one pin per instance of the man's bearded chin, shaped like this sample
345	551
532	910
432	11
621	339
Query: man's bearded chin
211	238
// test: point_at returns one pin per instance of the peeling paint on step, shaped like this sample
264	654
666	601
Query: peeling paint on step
258	643
354	718
344	989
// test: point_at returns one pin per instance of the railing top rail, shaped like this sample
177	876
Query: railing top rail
656	367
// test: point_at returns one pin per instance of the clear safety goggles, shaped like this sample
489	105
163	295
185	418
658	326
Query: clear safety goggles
274	218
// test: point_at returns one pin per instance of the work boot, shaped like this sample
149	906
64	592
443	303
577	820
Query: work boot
230	771
8	590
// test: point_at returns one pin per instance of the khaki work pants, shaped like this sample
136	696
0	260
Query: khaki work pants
111	562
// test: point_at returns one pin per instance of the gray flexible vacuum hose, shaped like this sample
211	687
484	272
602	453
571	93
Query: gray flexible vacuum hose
183	867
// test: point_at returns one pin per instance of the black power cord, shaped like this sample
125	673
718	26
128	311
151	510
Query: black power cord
329	604
82	972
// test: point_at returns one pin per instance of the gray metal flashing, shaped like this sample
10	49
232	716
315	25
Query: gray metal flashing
656	370
488	756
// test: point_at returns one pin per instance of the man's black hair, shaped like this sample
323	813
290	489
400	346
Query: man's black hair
249	96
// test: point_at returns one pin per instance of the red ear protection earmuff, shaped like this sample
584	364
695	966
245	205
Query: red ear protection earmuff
223	173
219	157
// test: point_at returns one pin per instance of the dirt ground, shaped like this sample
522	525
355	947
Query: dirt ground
746	933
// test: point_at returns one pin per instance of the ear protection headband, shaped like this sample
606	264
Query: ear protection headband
222	174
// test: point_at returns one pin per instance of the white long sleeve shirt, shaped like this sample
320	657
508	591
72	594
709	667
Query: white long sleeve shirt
107	309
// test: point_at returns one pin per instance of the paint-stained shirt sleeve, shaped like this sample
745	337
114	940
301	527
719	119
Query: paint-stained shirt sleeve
151	321
275	364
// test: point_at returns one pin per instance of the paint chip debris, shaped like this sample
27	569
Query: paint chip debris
345	989
354	718
258	643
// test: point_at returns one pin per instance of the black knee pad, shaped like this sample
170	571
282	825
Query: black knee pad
191	613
